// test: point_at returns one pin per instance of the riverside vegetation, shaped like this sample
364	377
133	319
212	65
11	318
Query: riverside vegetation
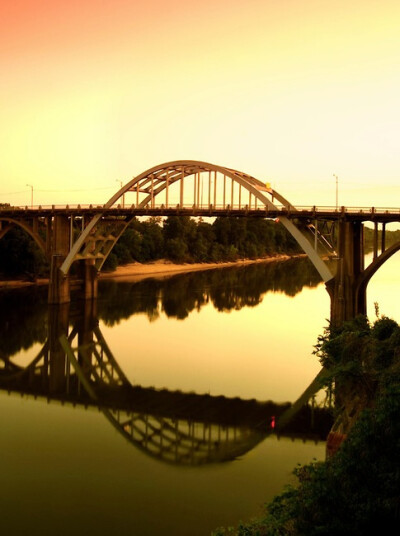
177	238
357	491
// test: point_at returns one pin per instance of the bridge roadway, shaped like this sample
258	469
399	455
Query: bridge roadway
306	213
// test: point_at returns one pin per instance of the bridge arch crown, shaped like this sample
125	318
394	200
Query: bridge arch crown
159	179
223	188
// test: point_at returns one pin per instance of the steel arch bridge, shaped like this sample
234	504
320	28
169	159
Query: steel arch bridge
199	186
86	235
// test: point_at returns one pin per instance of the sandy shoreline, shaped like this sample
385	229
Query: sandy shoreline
159	269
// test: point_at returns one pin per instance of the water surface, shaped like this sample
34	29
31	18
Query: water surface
199	355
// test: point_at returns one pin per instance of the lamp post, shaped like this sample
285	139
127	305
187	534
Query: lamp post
336	177
31	187
123	195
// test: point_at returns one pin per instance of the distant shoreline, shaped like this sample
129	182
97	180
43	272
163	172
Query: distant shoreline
160	269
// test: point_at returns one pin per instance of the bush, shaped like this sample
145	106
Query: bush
357	491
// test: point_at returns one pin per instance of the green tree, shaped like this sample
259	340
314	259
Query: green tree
20	255
357	491
176	249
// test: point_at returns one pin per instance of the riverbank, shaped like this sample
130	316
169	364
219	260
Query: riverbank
159	269
163	268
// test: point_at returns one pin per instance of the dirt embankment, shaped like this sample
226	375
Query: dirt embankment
137	271
162	268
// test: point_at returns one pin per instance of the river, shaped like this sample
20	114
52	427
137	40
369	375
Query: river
197	357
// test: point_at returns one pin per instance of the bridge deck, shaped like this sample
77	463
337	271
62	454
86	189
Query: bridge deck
375	214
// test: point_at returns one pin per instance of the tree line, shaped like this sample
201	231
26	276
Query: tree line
391	237
177	238
183	239
180	239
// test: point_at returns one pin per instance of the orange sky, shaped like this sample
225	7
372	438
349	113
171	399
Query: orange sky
93	92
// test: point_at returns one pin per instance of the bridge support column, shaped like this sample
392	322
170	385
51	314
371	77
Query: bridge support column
90	279
347	299
59	290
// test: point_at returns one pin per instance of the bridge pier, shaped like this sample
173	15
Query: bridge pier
347	298
59	283
58	325
59	288
90	279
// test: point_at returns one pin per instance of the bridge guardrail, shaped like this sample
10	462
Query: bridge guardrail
4	207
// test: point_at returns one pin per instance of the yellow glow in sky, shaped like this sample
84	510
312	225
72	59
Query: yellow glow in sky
291	92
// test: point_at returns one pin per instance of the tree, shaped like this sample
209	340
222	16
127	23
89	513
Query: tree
356	491
176	249
20	255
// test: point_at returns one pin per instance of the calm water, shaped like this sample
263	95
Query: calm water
179	446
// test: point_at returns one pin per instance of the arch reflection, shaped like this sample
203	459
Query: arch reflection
76	366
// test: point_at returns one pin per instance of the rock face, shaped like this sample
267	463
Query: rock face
352	400
333	442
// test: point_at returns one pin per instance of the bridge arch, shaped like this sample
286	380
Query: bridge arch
377	263
27	228
154	181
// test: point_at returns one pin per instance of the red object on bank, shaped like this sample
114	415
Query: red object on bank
272	422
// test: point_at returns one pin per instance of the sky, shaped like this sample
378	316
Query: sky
293	92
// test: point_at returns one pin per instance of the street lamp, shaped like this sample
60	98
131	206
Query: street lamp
31	187
336	177
123	195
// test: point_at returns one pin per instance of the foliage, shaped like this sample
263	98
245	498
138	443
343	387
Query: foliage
357	491
23	319
391	237
19	255
177	238
182	239
359	356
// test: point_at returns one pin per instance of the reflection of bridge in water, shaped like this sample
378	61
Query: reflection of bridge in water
76	366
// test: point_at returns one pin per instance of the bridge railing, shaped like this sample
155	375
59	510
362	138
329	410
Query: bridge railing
6	208
349	210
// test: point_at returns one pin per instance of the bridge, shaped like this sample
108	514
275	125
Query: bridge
84	236
76	367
